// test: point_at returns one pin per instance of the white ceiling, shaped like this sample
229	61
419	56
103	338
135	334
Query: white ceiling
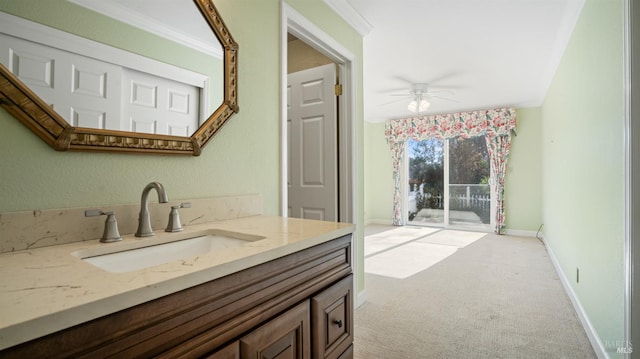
489	53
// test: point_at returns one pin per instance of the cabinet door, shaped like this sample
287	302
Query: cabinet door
231	351
348	354
332	319
285	337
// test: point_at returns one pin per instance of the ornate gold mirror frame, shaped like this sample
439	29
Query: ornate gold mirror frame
21	102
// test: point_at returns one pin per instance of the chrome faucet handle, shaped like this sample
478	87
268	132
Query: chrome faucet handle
110	233
174	224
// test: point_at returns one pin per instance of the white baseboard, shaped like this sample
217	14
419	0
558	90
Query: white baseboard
596	343
361	298
510	232
520	233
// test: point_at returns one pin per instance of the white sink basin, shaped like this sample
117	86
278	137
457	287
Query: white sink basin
128	257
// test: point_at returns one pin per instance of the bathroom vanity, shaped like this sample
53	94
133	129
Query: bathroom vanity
276	288
286	293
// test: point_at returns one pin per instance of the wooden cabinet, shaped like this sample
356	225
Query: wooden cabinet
332	318
255	310
285	337
348	354
327	318
231	351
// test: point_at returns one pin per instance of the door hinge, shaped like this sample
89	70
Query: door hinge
338	89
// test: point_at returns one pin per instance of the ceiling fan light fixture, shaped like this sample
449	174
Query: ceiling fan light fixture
418	105
424	105
413	106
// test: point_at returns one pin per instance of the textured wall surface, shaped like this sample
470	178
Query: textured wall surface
582	166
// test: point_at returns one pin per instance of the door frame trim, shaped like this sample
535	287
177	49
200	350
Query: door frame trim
296	24
313	36
631	64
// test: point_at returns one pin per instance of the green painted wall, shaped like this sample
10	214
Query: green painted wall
582	166
523	197
244	157
378	175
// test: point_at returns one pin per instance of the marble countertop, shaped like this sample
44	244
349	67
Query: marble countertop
48	289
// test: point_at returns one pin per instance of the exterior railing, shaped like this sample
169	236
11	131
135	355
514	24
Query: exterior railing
469	196
462	197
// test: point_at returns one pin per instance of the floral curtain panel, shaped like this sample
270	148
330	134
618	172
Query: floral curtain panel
496	125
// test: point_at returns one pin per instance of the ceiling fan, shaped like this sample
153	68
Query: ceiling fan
419	95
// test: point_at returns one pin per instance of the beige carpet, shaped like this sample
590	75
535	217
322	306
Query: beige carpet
489	297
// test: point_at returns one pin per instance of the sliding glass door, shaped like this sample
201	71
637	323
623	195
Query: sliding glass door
469	190
448	183
426	182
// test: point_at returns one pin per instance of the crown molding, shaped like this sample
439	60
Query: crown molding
350	15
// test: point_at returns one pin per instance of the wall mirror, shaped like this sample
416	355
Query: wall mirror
134	76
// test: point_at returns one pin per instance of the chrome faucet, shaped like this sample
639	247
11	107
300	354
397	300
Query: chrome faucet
144	221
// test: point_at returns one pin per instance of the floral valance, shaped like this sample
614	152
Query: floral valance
496	122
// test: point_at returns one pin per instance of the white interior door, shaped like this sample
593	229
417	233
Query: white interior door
88	92
158	105
313	142
84	91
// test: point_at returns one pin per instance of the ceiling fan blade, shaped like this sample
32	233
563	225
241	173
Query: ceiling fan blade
408	82
397	90
394	101
440	93
443	98
444	87
434	81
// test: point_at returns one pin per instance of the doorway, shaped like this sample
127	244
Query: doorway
448	184
294	24
297	25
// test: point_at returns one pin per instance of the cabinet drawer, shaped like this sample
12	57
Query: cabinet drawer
332	319
286	336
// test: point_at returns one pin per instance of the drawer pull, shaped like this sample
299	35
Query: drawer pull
338	323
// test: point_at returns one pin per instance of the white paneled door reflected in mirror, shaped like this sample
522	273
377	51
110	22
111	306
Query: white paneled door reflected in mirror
119	75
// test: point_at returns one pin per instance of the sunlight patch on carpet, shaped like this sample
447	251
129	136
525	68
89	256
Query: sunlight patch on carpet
382	241
407	260
403	252
458	239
